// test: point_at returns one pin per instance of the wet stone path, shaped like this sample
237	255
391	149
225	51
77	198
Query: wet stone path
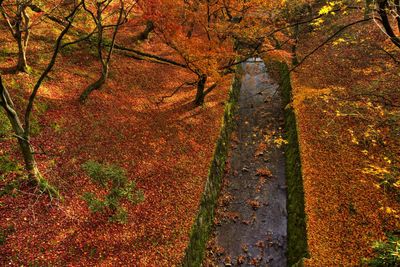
251	217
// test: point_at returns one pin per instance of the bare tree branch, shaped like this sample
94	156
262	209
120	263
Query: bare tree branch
329	39
57	47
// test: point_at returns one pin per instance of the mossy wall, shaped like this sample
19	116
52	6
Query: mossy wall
297	236
202	226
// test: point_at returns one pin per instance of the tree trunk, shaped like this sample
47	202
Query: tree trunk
22	132
22	64
145	34
199	100
26	149
34	175
21	35
94	86
30	161
22	136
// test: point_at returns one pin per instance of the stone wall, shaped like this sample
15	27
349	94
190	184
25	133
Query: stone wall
202	226
297	236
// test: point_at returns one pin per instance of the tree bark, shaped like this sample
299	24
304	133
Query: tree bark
145	34
199	100
23	40
94	86
30	161
22	64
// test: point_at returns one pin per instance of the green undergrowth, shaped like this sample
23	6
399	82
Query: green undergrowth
5	126
114	179
297	236
202	226
387	253
9	167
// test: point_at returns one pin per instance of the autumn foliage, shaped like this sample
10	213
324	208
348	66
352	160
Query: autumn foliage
152	77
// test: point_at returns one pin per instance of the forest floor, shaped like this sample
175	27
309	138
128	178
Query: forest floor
166	147
347	99
251	218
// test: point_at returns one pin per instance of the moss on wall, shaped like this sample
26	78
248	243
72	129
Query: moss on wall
202	226
297	236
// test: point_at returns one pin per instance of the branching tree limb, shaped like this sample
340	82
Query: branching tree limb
328	40
176	91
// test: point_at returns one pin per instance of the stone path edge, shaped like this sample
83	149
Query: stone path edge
297	232
203	223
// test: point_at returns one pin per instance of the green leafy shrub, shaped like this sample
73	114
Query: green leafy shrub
387	253
115	181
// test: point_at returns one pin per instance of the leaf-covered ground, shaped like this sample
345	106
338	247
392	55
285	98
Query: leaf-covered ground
165	147
346	98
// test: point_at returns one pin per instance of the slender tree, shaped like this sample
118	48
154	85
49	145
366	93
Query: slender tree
18	22
99	11
21	16
21	123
